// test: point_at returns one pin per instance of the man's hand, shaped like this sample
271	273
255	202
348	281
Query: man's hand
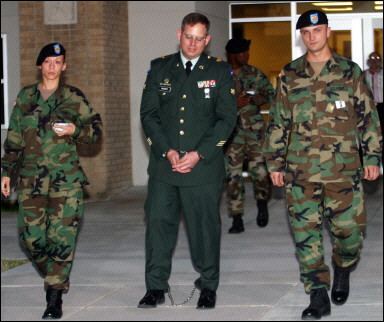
371	172
277	179
186	163
243	100
6	186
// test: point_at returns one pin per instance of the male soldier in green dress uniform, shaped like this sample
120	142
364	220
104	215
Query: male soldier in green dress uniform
253	89
322	105
48	120
188	111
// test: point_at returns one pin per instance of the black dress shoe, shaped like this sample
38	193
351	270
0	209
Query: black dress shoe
263	215
237	225
207	299
151	299
54	303
340	287
319	306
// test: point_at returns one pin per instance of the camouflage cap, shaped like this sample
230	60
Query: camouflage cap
312	18
50	50
237	45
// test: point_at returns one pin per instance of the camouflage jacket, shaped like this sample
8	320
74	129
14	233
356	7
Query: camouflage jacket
314	123
252	80
45	159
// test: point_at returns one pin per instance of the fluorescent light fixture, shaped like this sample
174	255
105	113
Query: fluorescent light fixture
328	4
378	7
338	9
378	2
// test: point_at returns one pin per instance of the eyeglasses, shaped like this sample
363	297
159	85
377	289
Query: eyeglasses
197	38
375	57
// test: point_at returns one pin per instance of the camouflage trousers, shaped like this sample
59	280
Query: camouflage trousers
48	226
342	203
246	145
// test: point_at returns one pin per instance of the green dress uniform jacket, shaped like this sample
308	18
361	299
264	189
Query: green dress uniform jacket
45	159
315	121
194	113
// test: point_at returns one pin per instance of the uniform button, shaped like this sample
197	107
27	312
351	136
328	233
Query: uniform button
164	94
181	121
184	97
181	132
182	109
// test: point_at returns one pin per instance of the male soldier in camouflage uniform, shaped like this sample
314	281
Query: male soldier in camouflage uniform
50	193
322	105
253	89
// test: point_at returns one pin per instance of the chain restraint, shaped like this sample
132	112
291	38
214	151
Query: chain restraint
185	301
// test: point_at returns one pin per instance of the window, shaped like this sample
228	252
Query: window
4	83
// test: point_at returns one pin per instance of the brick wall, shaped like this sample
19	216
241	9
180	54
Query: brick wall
97	63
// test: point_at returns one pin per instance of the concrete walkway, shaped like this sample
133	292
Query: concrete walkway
259	269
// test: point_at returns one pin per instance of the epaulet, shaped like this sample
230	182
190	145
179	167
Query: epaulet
162	58
214	59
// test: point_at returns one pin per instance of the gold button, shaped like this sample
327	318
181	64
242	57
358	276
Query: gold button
164	94
181	121
182	109
181	132
184	97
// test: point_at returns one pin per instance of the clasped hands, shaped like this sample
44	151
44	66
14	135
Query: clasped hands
184	164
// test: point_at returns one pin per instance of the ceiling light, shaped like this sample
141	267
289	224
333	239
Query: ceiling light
378	7
343	3
338	9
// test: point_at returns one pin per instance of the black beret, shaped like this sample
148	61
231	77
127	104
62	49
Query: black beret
312	18
50	50
237	45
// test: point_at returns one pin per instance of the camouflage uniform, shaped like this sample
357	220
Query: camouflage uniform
50	177
247	140
311	136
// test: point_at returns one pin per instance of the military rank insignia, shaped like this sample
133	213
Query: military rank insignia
330	107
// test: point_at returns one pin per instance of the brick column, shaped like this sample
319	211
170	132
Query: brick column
98	64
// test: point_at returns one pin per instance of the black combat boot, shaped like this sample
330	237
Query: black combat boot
340	287
54	303
237	225
319	306
263	215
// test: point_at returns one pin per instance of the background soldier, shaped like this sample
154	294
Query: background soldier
47	121
253	89
374	77
188	111
322	103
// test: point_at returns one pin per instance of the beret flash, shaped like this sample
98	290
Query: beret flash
312	18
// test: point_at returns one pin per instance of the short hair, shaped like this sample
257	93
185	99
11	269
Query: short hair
194	18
